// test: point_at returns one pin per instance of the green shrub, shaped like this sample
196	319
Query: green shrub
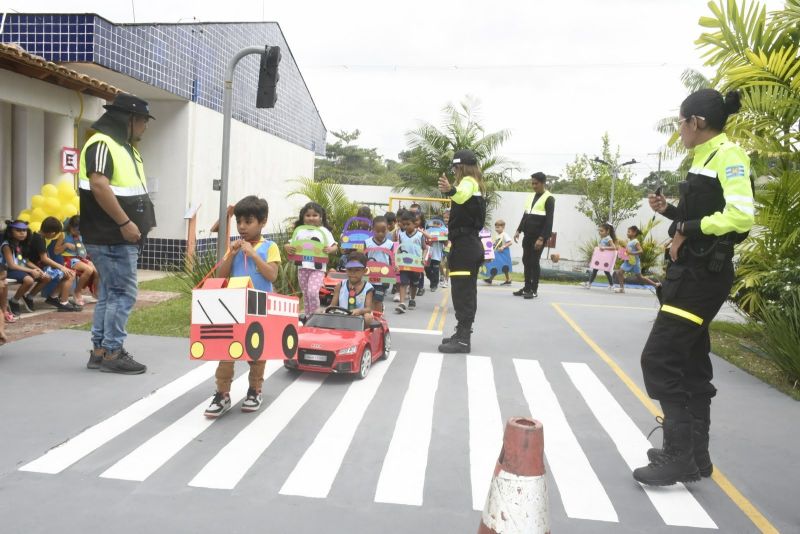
781	329
652	252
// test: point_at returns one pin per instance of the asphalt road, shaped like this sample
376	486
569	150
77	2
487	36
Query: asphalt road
409	449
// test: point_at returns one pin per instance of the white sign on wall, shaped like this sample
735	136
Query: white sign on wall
69	159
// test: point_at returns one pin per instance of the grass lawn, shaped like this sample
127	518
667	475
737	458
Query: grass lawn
738	344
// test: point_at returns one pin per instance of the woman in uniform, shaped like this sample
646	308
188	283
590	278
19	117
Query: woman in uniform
715	211
467	215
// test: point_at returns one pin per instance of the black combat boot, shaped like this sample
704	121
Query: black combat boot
676	461
446	340
459	343
701	422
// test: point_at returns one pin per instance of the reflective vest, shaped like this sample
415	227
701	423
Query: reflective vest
467	210
538	208
128	179
128	183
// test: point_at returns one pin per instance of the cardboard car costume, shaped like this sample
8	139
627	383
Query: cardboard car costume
603	260
355	238
309	244
500	264
379	272
488	247
231	320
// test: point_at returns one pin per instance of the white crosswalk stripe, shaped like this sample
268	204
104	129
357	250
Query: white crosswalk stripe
675	504
581	491
402	476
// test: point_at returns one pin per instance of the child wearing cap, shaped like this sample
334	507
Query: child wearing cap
31	279
355	293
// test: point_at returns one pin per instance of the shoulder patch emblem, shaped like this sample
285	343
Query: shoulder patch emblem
734	171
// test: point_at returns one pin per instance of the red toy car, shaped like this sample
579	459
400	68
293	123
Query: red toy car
337	342
332	277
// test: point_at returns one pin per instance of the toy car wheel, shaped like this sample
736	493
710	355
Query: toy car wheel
366	364
387	344
289	341
254	341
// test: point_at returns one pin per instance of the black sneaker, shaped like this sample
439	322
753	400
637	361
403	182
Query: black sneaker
420	291
15	307
506	283
220	404
400	308
68	307
95	358
519	292
29	302
528	295
412	304
433	289
120	361
52	301
455	345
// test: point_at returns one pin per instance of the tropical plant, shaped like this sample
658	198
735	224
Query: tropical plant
781	328
194	268
286	283
331	197
431	150
594	180
757	54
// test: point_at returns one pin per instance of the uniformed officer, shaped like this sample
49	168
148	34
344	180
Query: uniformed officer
714	213
467	216
537	225
116	215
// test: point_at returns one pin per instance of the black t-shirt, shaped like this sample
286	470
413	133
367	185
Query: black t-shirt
34	249
98	160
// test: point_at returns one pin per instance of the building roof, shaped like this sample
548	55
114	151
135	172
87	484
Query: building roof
14	58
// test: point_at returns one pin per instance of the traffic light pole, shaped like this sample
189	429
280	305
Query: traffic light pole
227	111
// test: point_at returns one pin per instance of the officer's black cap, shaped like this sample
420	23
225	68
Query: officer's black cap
464	157
131	104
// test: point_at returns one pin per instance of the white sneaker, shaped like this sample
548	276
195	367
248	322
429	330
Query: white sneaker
253	401
444	284
220	404
611	288
586	285
396	298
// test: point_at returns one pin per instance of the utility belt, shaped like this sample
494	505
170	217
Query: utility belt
455	233
714	253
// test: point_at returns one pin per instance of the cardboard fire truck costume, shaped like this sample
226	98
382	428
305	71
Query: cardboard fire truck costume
233	321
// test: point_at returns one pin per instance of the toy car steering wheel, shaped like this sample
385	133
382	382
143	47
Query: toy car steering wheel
338	311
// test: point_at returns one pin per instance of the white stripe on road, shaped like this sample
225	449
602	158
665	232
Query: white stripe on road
59	458
314	474
485	427
581	491
155	452
416	331
402	477
227	468
674	503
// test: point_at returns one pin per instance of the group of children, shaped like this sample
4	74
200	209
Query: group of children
52	262
631	266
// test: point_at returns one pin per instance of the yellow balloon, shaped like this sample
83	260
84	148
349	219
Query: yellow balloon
35	226
38	215
68	210
37	201
24	217
49	190
25	212
76	201
51	205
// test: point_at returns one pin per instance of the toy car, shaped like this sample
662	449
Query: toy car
354	239
332	277
233	321
338	342
436	228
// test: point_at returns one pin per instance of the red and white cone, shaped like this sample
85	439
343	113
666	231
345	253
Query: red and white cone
517	501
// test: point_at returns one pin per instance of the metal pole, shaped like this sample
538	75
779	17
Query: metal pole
227	110
614	171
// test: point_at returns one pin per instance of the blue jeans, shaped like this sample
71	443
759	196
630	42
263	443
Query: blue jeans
116	265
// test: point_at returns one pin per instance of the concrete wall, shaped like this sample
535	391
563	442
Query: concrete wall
260	164
573	228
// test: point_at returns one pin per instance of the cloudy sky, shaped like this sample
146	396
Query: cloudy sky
557	74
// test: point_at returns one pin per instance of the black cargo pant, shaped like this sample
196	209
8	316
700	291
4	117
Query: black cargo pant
675	359
466	257
530	260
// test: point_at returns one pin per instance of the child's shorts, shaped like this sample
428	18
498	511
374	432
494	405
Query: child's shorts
19	276
628	268
409	278
379	292
56	275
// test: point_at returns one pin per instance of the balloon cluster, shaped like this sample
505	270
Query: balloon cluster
59	201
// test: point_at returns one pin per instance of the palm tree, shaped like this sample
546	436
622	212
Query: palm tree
431	150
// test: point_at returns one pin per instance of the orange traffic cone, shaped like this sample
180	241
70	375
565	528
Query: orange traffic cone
517	501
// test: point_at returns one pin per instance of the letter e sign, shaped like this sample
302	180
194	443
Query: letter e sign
69	159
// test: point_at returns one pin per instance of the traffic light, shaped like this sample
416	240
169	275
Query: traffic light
267	93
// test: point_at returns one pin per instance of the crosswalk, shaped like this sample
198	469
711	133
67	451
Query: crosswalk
403	473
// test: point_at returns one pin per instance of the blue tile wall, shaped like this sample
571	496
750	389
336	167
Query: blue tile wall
187	60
